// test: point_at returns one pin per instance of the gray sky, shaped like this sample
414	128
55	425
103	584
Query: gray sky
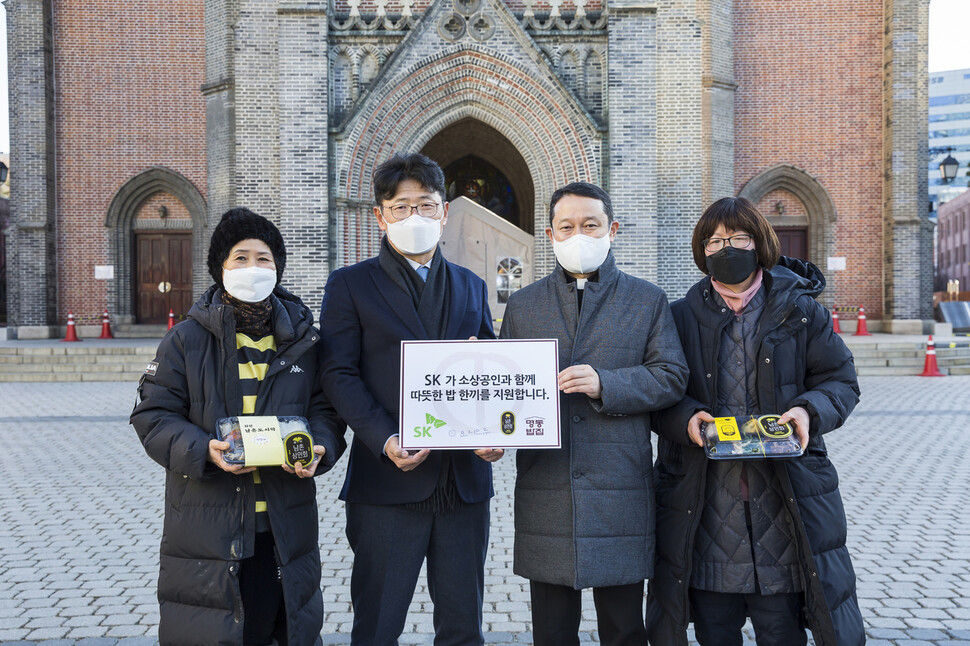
949	24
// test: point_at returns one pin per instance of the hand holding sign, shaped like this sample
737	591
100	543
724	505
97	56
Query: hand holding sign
581	379
490	455
403	458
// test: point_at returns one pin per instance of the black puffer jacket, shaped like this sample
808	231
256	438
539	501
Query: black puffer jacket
209	514
801	362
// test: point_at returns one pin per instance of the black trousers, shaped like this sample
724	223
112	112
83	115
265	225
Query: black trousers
557	610
718	618
390	542
262	595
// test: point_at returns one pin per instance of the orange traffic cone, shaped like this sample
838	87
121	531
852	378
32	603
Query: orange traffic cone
929	367
835	320
106	326
71	332
171	319
861	329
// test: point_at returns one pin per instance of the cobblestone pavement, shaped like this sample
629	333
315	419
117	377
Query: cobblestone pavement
80	520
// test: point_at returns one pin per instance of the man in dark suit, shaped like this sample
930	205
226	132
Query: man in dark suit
403	506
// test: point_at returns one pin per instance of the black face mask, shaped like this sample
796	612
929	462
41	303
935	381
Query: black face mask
731	266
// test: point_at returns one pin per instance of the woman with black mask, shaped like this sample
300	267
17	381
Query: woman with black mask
759	538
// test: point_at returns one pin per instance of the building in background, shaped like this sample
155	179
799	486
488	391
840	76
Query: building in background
949	134
953	251
138	134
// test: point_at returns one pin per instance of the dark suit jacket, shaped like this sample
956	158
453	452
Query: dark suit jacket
363	320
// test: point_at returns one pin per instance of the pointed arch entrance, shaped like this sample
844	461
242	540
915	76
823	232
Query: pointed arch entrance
157	221
796	204
482	165
423	97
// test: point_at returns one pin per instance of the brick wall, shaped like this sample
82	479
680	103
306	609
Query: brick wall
127	98
810	92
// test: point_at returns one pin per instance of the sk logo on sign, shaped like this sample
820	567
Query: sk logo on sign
431	422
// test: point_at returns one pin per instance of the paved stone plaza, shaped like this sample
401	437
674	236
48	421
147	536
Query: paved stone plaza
81	504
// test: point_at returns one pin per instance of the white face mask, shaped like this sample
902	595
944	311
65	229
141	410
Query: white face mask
414	235
581	254
249	284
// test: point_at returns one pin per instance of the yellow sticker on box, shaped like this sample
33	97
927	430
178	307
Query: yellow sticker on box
727	429
261	440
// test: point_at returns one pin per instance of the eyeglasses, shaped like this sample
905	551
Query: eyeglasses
740	241
404	211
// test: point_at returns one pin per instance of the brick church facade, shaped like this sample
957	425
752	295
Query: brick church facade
135	125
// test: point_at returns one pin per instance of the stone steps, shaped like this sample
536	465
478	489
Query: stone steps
74	362
103	361
897	359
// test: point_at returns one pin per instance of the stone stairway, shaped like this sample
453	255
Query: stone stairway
125	359
84	361
894	358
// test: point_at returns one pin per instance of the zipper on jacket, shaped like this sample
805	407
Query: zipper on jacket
237	610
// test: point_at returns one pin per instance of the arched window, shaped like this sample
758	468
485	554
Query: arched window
342	84
569	70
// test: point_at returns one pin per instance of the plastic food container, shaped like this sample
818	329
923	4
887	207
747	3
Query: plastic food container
272	441
753	436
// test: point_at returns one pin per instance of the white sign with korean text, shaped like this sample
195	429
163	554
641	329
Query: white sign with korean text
480	394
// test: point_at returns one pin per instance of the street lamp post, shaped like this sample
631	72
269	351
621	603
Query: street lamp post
949	167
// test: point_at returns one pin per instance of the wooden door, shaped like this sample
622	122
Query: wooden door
794	242
163	276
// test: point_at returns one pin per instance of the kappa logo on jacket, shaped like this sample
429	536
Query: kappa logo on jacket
295	368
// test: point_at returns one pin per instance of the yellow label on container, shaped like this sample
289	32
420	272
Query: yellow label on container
771	428
261	441
727	429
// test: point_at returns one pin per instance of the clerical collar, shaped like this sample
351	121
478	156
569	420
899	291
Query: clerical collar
581	282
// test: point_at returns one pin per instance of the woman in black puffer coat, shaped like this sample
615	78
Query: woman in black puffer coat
240	562
759	538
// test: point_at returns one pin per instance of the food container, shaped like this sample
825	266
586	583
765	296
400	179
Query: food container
750	436
269	440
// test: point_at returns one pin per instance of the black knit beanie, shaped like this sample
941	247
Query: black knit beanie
240	224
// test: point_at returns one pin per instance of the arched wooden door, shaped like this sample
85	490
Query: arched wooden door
794	242
163	275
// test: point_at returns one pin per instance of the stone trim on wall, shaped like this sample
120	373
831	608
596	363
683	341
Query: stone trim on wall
120	222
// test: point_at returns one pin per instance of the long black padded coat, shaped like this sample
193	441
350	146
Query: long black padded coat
209	513
801	362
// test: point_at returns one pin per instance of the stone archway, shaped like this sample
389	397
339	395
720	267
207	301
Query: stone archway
550	131
471	144
122	220
819	211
